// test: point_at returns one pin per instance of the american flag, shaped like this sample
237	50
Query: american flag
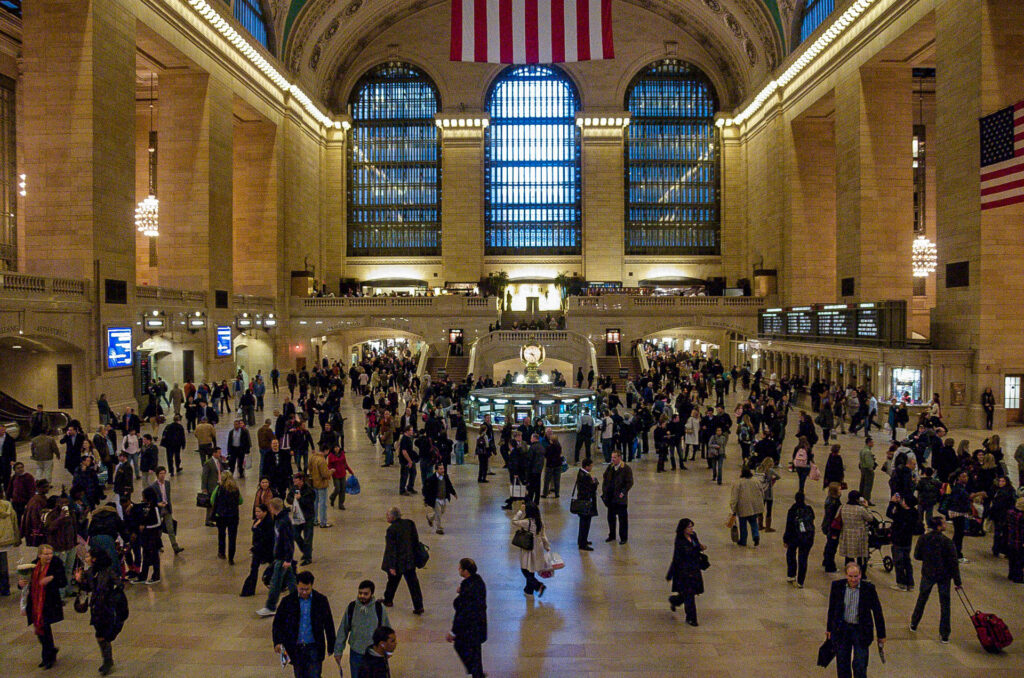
531	31
1002	157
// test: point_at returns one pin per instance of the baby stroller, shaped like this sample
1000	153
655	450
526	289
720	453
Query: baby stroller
879	535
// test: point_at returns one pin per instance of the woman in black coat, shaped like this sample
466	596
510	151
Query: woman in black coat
798	538
834	469
45	607
108	605
685	570
262	547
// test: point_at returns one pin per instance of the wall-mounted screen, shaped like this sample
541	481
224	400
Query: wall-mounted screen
223	341
119	347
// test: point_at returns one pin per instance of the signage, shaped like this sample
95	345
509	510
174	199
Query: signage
876	323
223	341
119	347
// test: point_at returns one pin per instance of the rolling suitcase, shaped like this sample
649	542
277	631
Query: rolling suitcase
993	634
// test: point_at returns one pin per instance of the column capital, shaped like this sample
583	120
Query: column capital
462	124
602	123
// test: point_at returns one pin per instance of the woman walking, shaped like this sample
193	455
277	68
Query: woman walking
532	560
832	506
44	606
340	469
262	547
226	499
684	572
108	606
853	538
835	471
263	495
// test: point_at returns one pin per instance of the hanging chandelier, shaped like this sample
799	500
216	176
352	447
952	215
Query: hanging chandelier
924	257
147	212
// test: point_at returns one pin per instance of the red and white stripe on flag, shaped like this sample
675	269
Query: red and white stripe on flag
1002	158
531	31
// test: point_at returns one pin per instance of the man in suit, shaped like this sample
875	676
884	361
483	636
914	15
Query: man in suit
131	422
853	614
304	628
469	627
400	544
38	423
239	444
173	441
73	440
162	490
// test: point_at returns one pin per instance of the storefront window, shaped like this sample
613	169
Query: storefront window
906	382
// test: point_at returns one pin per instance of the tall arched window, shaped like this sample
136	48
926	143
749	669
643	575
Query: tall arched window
815	12
394	167
249	13
672	162
532	176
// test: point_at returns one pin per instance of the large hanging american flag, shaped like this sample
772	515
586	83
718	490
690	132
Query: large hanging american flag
531	31
1002	157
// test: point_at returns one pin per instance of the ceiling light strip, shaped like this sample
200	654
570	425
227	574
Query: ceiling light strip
223	27
838	27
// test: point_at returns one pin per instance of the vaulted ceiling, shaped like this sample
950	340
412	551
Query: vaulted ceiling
319	39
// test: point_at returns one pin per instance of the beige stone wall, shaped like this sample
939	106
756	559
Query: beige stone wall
601	168
809	241
255	231
462	203
765	193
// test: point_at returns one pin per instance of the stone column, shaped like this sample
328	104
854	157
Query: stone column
979	72
601	165
335	196
874	183
809	238
734	213
256	234
196	135
462	188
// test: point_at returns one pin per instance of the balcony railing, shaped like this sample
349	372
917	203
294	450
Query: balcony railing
37	284
168	294
428	305
626	302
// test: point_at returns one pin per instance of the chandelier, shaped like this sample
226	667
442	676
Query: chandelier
147	212
924	257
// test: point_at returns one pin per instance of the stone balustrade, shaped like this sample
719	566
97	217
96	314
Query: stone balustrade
627	303
62	288
430	306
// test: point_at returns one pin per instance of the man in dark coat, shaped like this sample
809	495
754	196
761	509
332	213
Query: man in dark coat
853	614
399	561
618	481
173	440
469	627
73	440
304	628
239	444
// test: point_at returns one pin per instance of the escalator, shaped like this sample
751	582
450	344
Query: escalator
16	417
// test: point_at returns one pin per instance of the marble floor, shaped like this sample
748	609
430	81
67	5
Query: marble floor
605	614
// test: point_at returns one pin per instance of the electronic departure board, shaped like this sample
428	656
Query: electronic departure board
879	323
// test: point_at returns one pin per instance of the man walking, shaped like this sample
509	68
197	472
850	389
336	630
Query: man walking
206	438
162	488
939	565
584	434
304	629
303	496
44	451
375	661
618	481
283	568
867	469
854	612
469	627
534	468
173	441
239	444
363	616
399	561
437	493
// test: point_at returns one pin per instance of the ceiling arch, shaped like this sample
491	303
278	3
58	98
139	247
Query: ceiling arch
320	40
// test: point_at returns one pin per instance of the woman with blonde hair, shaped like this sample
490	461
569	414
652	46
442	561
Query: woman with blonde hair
44	606
225	500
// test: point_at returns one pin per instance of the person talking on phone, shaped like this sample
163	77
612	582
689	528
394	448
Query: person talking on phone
304	629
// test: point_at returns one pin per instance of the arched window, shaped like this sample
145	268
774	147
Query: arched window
672	162
532	177
249	13
815	12
394	164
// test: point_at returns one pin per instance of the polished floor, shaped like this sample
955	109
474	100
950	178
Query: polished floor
605	614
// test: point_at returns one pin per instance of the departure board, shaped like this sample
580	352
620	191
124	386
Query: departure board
875	323
799	323
771	323
867	323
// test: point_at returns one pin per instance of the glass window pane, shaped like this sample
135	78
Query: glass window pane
815	12
1011	393
249	13
532	177
672	162
394	168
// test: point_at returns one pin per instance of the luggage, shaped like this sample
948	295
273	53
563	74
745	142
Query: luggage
993	634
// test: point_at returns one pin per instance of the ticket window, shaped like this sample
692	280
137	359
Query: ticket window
1011	398
612	341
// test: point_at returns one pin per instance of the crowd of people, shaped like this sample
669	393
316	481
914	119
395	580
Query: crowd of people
106	529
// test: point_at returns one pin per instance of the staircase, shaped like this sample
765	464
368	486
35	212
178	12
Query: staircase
457	367
609	366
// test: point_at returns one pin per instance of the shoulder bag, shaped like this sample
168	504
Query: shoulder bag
523	538
581	507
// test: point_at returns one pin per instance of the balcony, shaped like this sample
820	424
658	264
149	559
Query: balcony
627	304
444	305
18	289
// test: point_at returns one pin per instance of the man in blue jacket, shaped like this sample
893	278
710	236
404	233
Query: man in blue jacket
853	614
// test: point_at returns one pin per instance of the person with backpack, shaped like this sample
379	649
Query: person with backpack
939	565
798	538
906	524
364	615
108	605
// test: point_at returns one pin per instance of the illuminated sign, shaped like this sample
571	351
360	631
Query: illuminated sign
223	341
119	347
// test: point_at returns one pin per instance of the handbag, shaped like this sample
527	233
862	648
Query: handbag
565	465
734	534
553	561
203	499
420	555
82	602
352	485
826	653
815	474
581	507
517	490
523	539
705	562
298	517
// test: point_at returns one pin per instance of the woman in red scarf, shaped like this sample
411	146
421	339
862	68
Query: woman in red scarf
44	606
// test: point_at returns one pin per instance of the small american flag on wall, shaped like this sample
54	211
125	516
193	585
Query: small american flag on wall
531	31
1002	157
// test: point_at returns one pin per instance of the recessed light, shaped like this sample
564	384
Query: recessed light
16	346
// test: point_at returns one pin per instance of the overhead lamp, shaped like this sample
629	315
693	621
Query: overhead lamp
147	212
924	257
22	185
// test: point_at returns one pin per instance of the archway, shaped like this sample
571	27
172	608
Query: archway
42	370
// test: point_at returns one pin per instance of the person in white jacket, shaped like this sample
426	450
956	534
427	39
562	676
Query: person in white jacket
532	560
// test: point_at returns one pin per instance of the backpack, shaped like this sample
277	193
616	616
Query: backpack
805	521
376	605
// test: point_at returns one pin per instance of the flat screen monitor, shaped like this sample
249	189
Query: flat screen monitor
119	347
223	341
